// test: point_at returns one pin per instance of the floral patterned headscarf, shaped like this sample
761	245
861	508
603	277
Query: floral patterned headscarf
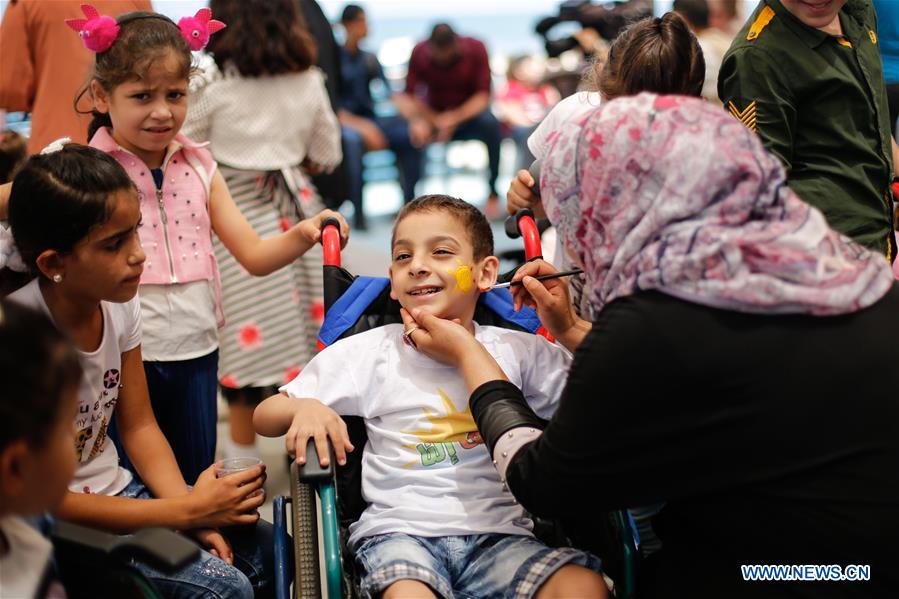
673	194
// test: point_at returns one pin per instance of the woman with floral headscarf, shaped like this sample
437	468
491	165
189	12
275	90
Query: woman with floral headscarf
740	367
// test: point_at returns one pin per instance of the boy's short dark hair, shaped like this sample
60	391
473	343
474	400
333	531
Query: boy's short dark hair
37	365
479	232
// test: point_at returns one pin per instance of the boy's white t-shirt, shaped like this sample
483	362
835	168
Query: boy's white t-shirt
24	567
425	470
98	468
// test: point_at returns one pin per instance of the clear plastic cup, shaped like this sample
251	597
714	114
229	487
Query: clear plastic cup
235	465
231	466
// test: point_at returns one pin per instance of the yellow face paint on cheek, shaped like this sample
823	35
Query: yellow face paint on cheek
464	280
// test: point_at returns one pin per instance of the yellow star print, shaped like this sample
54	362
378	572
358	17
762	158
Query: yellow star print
454	427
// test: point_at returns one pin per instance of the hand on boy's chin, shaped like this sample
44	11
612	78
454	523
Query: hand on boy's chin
442	339
445	312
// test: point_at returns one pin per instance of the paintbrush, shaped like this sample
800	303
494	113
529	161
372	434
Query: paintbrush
554	275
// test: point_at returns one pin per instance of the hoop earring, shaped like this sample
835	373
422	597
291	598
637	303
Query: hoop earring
57	278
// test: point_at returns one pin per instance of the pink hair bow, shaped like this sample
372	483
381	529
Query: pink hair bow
197	29
98	32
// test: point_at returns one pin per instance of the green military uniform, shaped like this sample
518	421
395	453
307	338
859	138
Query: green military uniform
819	103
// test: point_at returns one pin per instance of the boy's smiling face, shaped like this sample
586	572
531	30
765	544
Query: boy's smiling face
433	266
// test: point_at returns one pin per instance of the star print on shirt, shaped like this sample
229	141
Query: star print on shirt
437	444
111	378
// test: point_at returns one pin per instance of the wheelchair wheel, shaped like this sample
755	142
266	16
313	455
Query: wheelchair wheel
307	578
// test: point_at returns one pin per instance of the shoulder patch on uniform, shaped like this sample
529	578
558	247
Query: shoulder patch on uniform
760	23
745	116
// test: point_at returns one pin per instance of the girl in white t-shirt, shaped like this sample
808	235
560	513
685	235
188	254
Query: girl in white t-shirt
74	215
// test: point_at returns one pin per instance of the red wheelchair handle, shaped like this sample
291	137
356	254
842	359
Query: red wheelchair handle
331	241
531	235
522	224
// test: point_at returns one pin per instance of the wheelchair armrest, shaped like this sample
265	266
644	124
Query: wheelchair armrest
312	471
159	547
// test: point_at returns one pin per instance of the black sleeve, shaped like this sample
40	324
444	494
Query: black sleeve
499	406
561	471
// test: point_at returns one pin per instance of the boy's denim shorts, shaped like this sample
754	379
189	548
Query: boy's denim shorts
488	566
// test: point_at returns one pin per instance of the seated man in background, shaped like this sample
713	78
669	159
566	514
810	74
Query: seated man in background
362	130
447	97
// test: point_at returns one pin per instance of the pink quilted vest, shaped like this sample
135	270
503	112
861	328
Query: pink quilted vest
176	233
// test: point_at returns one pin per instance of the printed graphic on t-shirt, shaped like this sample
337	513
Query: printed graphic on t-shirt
81	438
93	420
438	444
101	439
111	378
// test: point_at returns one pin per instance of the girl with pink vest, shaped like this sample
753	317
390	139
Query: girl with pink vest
139	89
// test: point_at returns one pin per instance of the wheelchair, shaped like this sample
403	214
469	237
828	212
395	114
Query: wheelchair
325	501
92	563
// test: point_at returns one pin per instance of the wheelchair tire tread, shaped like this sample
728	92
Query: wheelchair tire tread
307	578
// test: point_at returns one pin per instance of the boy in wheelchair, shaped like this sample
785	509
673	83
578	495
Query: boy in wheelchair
439	521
